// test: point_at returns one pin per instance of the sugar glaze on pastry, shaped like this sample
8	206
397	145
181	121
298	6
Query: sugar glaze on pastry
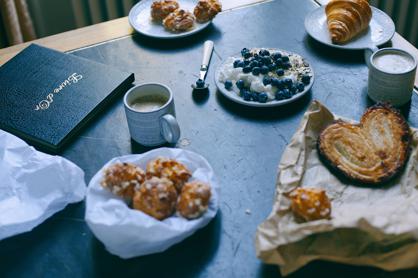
372	151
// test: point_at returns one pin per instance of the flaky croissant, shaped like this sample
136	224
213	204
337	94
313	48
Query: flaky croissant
347	18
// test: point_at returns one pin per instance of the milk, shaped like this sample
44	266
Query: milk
393	62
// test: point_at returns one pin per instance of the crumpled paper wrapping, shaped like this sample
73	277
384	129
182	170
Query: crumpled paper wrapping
127	232
33	185
369	226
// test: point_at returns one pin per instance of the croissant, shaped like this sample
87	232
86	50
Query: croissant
347	18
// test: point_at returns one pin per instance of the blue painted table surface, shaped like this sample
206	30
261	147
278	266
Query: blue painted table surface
244	146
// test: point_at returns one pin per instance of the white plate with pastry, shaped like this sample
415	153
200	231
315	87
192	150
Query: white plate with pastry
379	31
161	19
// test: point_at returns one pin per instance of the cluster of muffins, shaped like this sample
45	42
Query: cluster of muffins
160	190
174	19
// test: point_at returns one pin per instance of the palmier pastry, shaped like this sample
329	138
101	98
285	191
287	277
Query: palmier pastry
310	204
161	9
122	178
372	151
156	197
194	199
347	18
206	10
179	21
171	169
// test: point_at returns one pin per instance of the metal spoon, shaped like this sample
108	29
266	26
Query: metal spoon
200	84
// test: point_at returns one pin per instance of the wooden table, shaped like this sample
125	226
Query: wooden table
243	145
119	28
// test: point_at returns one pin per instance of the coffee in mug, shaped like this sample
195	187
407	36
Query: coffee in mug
148	103
151	115
391	76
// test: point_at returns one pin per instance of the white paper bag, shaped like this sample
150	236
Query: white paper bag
33	185
128	232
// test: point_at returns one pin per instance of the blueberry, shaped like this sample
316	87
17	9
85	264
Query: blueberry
241	64
256	71
254	64
275	82
281	84
256	56
280	72
266	60
264	69
287	65
276	56
246	69
306	79
260	64
246	62
272	66
300	86
279	95
228	84
264	52
200	83
262	97
254	96
246	95
285	58
293	89
287	93
266	80
240	84
288	82
279	63
245	53
236	63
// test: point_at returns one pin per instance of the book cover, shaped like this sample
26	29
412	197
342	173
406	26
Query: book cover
46	96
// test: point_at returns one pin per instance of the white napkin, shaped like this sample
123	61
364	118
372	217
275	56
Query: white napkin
129	233
33	185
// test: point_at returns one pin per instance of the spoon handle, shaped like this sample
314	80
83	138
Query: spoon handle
207	52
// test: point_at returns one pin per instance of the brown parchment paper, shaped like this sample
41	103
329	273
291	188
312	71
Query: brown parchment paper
374	226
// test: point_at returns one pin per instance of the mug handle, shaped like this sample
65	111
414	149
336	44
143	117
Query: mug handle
368	52
170	128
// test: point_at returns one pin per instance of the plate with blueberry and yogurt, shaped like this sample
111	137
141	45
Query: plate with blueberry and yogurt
264	77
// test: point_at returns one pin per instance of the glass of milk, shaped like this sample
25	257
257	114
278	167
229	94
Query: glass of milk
391	76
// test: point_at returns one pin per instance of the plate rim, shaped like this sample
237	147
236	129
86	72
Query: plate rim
322	8
235	98
169	35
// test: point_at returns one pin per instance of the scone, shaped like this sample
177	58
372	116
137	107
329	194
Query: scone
179	21
156	197
194	199
310	204
171	169
122	178
206	10
161	9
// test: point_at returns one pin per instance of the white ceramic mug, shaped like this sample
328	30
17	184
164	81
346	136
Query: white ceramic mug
391	75
154	127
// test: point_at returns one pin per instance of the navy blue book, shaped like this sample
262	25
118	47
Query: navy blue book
46	96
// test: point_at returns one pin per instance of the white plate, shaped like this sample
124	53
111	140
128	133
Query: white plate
232	95
381	30
140	20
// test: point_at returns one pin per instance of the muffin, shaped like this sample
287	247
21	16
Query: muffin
179	21
310	204
122	179
206	10
194	199
171	169
156	197
161	9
